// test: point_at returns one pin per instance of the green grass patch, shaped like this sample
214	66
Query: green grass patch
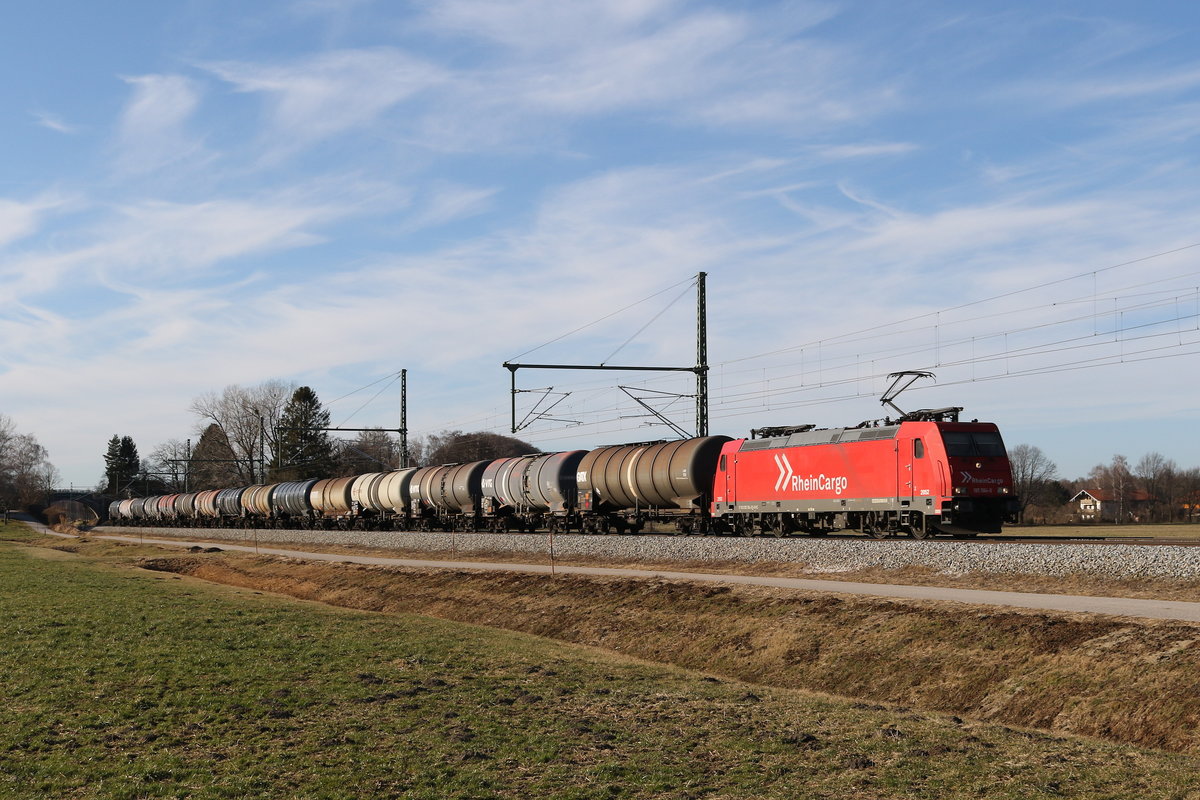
13	531
120	683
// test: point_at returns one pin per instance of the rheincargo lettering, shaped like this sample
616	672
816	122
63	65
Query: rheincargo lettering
819	483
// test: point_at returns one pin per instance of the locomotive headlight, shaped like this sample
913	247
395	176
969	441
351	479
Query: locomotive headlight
959	490
1003	490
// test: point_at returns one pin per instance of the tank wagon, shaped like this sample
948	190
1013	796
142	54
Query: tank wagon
623	487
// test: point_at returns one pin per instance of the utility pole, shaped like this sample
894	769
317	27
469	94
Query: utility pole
403	418
701	356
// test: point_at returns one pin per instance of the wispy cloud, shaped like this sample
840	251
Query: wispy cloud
665	58
837	152
333	92
52	122
162	244
152	132
21	219
448	202
1110	87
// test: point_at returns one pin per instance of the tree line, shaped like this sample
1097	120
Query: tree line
26	474
1154	489
274	432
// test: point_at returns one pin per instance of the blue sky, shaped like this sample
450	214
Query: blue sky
199	194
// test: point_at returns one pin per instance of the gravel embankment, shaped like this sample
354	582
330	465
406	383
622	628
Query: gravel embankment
822	555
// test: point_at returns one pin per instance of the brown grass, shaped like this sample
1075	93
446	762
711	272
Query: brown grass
1078	584
1175	530
1134	682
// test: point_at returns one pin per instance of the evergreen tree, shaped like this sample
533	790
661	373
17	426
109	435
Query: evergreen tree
305	449
121	464
214	464
129	463
111	457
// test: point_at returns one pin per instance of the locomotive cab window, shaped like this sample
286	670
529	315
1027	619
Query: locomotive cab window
989	444
960	444
918	448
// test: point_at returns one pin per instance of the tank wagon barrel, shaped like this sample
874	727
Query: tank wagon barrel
331	501
624	486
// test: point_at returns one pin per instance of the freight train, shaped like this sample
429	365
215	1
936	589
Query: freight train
923	474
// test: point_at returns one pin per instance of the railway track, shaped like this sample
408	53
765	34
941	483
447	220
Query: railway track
1106	558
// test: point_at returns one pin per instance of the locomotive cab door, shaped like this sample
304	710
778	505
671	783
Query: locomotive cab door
905	479
726	466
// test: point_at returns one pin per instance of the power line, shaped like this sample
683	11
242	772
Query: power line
602	319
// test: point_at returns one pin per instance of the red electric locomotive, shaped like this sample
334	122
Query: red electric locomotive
924	474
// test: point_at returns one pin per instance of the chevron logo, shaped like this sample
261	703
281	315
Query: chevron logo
785	471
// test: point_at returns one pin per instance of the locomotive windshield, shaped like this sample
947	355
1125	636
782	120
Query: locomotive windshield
961	444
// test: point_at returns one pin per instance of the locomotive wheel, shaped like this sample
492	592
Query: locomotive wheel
871	526
919	531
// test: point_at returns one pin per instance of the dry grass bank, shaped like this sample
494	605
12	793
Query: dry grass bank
1132	682
1077	584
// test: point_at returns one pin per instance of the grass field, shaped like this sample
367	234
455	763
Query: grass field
123	683
1181	531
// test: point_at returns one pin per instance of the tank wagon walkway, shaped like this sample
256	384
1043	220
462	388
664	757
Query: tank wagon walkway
1116	606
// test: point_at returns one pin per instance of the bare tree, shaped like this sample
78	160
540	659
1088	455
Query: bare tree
1156	475
1187	491
249	418
170	462
455	447
1116	480
26	474
1032	472
370	451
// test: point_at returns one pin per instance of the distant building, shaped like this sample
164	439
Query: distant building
1191	508
1097	505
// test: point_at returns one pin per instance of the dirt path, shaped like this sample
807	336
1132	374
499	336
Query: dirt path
1115	606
